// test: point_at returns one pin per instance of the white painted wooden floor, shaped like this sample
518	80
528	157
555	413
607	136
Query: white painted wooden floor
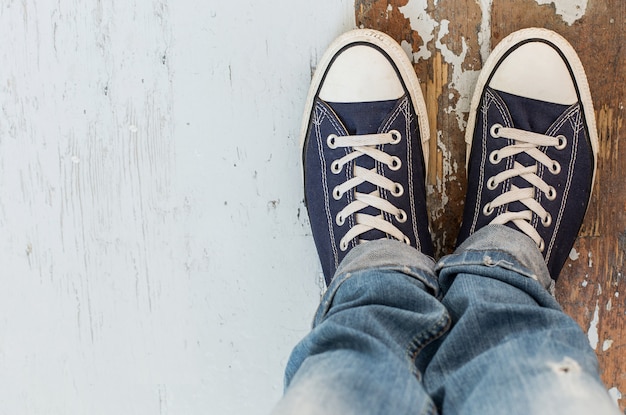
155	256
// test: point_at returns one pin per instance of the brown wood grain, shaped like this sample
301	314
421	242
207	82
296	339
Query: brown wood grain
594	282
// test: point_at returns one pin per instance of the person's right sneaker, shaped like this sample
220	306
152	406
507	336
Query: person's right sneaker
364	148
531	144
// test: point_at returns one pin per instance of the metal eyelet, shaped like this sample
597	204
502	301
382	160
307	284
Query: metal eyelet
542	245
331	141
407	240
495	130
487	209
551	194
494	157
401	217
555	168
339	219
562	142
343	245
337	193
398	190
491	183
547	220
396	136
336	167
396	163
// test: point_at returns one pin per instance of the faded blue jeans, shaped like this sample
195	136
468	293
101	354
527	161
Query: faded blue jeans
476	333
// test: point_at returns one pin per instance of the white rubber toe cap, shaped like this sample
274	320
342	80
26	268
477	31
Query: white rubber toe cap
536	70
361	74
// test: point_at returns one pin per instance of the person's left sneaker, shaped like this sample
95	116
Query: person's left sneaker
364	147
532	144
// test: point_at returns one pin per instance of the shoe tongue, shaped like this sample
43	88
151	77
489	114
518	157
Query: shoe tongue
365	118
529	115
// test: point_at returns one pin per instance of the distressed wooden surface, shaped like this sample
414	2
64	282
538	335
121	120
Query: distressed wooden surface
449	41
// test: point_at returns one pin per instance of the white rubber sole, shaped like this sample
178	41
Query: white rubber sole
400	60
577	70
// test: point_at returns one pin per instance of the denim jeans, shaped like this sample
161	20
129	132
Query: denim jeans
476	333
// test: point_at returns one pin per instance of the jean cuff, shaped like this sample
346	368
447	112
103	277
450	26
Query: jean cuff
389	254
492	244
381	255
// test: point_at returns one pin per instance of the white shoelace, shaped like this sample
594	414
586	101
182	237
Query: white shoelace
529	143
366	145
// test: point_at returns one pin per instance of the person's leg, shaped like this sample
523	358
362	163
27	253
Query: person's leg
365	135
531	162
376	316
511	348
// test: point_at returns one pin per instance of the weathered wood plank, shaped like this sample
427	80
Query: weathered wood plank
448	42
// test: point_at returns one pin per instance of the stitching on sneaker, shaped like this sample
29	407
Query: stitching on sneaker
573	113
319	115
404	109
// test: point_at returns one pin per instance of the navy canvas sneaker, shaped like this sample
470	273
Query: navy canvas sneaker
364	146
531	143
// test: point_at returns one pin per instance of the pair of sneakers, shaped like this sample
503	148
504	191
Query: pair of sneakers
531	146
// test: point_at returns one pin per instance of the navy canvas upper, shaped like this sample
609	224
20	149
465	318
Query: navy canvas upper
572	184
362	118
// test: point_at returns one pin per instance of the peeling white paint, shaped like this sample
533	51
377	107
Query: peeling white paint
484	35
590	261
389	10
462	81
615	394
616	294
592	333
450	169
606	345
573	254
408	49
585	283
609	305
569	10
422	23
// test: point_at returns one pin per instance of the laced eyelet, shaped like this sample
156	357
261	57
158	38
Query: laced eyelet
551	194
398	190
562	142
339	219
542	245
487	210
336	167
401	216
494	157
555	168
396	163
343	245
396	136
491	183
495	130
547	220
337	193
407	240
330	141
